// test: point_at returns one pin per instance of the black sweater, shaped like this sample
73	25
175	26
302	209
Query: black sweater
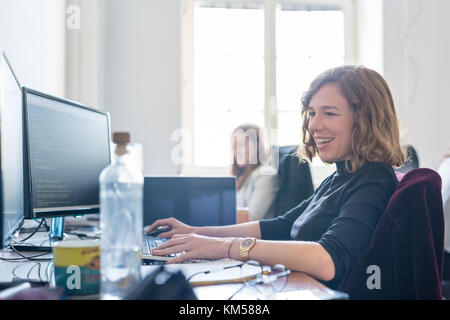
341	215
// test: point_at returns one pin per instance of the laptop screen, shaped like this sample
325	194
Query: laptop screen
197	201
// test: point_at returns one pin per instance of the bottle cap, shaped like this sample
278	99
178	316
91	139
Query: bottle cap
121	137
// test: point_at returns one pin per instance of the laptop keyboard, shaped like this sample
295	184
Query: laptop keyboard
150	242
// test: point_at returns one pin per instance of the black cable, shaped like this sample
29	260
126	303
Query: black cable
215	270
197	273
33	233
14	272
80	236
37	264
31	269
46	225
33	258
30	258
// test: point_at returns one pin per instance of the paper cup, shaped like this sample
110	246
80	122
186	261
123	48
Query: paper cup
242	215
77	267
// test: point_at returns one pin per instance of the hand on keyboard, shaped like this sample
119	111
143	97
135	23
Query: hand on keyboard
149	243
195	247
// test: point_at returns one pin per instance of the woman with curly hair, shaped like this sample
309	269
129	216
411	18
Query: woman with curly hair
349	119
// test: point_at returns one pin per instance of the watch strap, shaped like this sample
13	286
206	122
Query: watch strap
246	245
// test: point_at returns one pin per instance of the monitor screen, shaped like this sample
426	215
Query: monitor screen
197	201
11	119
68	147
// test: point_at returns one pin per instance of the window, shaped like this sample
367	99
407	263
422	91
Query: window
308	42
228	78
250	62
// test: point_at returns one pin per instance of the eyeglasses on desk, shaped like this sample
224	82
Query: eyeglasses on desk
255	278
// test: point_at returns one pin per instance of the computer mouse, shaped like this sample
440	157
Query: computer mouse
158	231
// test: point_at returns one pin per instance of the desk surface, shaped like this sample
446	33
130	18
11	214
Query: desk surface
300	286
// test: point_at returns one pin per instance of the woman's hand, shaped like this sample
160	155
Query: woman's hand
175	227
194	246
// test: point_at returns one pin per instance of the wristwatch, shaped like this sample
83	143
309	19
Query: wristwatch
246	245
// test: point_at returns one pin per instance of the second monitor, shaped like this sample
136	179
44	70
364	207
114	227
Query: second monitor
67	148
197	201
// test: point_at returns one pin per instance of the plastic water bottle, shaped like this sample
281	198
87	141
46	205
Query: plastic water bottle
121	222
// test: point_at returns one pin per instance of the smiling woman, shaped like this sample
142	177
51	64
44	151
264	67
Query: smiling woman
363	94
330	123
348	119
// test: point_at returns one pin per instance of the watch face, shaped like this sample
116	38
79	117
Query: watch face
247	242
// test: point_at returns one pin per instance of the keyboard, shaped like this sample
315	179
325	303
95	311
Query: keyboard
148	244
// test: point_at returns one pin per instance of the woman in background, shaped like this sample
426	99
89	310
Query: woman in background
257	182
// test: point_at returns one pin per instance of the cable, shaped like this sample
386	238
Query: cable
33	258
213	270
30	258
39	272
31	269
82	236
15	274
49	271
38	265
33	233
46	225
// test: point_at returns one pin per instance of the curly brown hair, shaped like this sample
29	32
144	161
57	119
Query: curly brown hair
376	134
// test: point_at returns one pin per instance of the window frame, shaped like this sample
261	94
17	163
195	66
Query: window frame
187	140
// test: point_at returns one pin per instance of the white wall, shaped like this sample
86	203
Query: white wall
84	52
141	81
369	34
417	66
142	75
32	33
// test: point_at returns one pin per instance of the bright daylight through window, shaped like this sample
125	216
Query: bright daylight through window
230	64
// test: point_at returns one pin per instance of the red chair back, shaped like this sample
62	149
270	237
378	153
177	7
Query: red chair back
405	257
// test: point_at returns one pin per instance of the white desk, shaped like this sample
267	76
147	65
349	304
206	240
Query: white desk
299	286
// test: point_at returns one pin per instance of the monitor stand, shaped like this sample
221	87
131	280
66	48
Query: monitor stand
56	229
55	234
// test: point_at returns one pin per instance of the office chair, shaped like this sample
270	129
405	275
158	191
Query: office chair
446	290
412	160
407	245
295	180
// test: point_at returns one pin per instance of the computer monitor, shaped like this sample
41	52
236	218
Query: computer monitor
197	201
67	147
11	153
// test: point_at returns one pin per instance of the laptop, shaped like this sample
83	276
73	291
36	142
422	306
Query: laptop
196	201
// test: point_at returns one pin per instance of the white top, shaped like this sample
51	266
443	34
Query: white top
444	171
259	192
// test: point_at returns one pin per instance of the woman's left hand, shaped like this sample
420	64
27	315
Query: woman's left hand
194	246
